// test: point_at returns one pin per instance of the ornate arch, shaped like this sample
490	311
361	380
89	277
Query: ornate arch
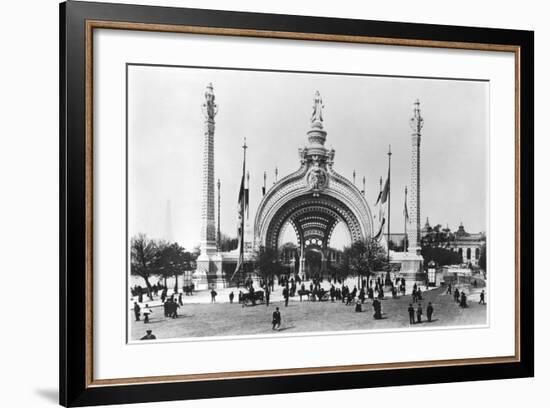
314	198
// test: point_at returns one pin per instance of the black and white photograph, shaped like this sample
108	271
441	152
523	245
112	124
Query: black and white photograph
282	203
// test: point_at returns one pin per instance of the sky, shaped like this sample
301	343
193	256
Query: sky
363	115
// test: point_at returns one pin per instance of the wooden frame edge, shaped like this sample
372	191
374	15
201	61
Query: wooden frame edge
90	25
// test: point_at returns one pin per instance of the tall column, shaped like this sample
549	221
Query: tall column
208	231
416	123
209	266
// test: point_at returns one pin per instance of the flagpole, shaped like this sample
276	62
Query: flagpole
243	206
219	231
389	203
405	216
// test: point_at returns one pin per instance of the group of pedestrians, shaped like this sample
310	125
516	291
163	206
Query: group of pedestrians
171	307
419	313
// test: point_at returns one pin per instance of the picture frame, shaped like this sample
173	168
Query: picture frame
79	20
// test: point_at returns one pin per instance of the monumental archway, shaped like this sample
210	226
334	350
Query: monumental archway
313	199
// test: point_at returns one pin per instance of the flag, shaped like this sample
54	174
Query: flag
242	209
385	191
405	210
379	233
380	193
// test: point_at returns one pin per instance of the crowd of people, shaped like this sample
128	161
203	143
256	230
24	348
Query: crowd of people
339	291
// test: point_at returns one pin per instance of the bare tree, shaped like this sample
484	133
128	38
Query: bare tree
144	256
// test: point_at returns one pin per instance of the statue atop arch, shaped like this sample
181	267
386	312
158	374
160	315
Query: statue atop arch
317	114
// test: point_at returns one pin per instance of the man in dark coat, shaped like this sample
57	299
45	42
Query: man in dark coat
149	336
377	306
286	295
419	313
411	313
137	311
167	308
429	311
481	298
463	303
174	310
213	294
267	294
276	322
231	296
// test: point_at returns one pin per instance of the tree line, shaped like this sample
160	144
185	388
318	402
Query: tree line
158	257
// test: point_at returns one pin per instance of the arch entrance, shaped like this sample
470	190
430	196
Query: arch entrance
313	200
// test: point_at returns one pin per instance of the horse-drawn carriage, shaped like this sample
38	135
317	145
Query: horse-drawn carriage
251	298
188	289
319	294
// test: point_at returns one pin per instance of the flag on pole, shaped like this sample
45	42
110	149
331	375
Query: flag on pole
242	209
380	193
380	230
385	191
405	210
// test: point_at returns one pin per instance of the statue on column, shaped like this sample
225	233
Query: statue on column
209	107
317	114
417	121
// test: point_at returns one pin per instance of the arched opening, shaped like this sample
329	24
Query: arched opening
314	260
340	237
468	254
288	249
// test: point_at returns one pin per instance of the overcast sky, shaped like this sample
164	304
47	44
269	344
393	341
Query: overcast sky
362	115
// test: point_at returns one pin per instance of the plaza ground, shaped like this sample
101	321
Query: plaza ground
204	319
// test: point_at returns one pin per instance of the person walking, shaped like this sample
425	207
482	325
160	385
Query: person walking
429	311
276	321
180	299
174	311
419	313
146	313
213	294
463	299
231	297
137	311
481	297
286	295
411	313
167	308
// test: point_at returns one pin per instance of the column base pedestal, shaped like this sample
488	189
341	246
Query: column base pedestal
209	273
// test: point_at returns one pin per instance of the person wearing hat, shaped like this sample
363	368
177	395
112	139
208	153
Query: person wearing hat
276	319
137	311
149	336
411	313
358	307
419	314
429	311
146	313
482	297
